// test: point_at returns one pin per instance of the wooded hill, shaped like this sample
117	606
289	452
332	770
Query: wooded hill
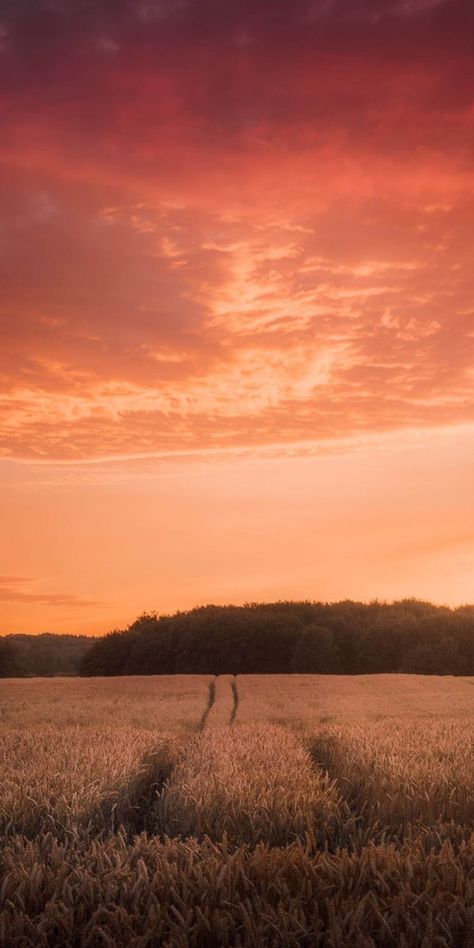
306	637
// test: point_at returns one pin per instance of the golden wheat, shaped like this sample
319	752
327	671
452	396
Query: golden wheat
57	780
76	751
252	783
400	771
331	827
148	893
156	703
300	700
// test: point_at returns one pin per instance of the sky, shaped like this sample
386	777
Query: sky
236	304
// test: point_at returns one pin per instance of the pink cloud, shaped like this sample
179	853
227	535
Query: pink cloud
229	230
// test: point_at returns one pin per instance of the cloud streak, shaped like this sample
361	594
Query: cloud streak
12	591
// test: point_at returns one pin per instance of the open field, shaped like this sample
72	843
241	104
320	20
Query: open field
303	700
257	810
156	703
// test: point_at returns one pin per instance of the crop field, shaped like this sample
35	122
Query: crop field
277	810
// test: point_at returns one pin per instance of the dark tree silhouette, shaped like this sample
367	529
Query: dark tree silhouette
10	666
45	655
264	638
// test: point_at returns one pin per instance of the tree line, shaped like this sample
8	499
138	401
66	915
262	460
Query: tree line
283	637
24	656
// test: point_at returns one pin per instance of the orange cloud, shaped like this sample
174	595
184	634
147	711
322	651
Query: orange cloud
175	328
230	231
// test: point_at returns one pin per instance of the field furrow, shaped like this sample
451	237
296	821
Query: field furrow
399	773
235	699
81	768
56	780
251	783
212	825
221	710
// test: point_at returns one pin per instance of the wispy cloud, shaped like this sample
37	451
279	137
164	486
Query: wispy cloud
229	332
12	589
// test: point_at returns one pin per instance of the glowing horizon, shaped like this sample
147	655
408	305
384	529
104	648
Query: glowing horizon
236	303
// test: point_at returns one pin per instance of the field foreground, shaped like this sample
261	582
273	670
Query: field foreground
257	810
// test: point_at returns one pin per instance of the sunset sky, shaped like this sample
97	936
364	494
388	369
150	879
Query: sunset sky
236	296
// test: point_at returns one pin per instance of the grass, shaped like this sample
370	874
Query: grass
176	811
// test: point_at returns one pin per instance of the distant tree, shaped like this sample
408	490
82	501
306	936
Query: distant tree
315	651
48	654
108	656
10	666
438	657
384	643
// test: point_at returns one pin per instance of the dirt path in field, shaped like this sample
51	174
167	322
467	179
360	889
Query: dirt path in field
222	703
200	784
136	805
211	700
253	783
356	821
140	804
129	805
223	709
235	695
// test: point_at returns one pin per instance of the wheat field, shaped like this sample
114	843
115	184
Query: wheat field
258	810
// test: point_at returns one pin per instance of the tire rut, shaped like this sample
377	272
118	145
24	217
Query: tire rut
235	695
128	807
356	826
139	805
211	700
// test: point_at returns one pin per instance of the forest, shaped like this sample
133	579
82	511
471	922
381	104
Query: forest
344	638
26	656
